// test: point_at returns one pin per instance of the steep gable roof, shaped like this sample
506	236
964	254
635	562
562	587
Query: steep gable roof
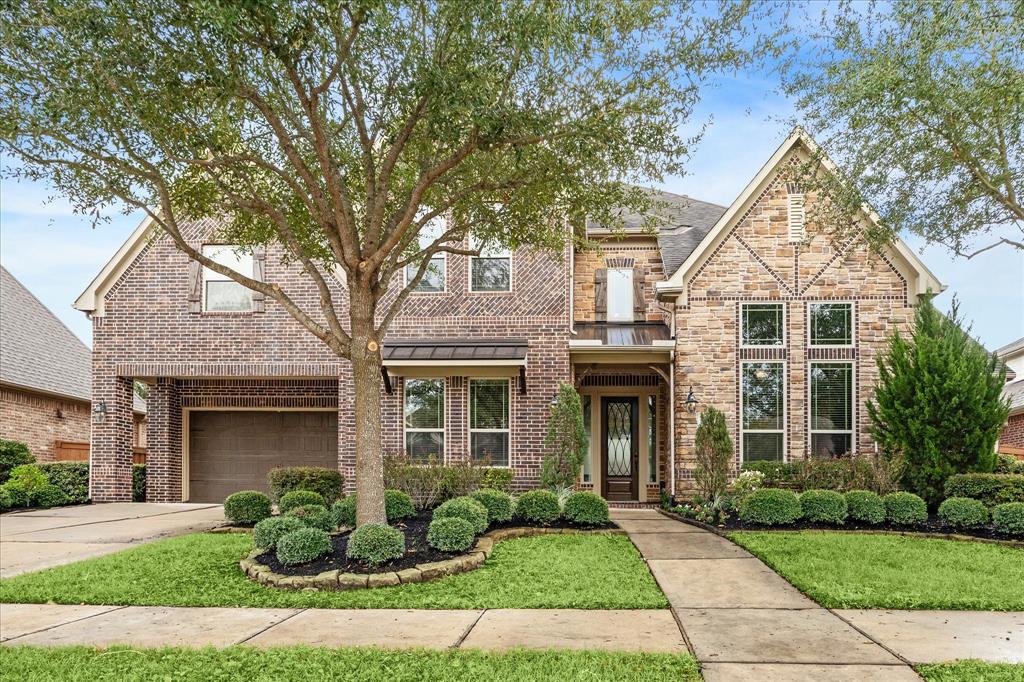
918	276
37	351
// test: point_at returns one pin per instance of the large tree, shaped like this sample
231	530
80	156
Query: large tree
922	106
341	130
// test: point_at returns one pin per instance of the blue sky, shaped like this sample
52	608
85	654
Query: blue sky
56	253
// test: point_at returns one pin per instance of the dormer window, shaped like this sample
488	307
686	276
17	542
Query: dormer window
221	294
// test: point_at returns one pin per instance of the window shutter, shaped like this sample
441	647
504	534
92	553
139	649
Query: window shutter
195	287
259	260
795	215
639	306
601	294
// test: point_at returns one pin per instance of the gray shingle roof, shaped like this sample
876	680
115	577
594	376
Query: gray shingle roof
36	350
1015	392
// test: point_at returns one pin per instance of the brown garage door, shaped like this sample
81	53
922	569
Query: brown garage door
232	451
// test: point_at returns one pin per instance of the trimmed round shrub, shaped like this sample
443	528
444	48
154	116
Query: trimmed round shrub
963	512
327	482
375	544
771	507
1009	518
905	509
865	506
314	516
823	506
464	508
247	507
302	546
451	534
538	506
49	496
343	512
586	509
300	498
498	503
398	506
267	532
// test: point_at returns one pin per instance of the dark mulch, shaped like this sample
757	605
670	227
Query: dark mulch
934	525
417	551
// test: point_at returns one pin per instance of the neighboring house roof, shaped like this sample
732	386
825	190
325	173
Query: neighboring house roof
1015	392
919	277
37	351
1010	352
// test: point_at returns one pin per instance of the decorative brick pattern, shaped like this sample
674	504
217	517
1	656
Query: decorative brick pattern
39	420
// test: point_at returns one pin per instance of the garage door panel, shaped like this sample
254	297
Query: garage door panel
232	451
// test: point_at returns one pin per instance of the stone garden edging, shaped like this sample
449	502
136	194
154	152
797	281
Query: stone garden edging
955	537
339	580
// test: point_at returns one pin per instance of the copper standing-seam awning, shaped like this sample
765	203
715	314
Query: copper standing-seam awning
433	357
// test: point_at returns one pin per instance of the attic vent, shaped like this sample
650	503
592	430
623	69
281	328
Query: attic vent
795	216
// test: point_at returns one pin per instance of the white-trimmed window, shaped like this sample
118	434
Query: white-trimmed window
222	294
435	278
489	421
620	294
762	324
763	397
424	419
831	324
491	271
831	409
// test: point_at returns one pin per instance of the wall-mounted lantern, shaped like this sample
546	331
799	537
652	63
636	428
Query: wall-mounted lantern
99	412
691	401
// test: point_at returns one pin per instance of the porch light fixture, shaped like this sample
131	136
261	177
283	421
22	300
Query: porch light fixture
691	401
99	412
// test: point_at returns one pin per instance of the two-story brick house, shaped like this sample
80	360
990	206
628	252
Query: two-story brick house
743	307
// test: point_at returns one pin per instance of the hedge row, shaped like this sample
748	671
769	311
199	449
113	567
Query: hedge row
778	507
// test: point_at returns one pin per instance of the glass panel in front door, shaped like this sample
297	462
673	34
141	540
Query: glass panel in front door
620	439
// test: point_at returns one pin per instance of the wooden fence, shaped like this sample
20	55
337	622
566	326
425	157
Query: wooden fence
69	451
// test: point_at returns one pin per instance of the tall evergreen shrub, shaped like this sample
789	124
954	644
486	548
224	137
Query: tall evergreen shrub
714	451
566	440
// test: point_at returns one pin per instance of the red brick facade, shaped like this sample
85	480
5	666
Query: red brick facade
39	420
1013	433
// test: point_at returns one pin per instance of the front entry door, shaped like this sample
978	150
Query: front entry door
620	448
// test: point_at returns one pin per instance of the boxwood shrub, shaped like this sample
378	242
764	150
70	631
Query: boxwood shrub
771	507
13	453
314	516
1009	518
375	544
586	509
992	489
71	477
451	534
343	512
496	478
464	508
328	482
538	506
247	507
267	532
397	506
963	512
499	504
905	509
300	498
823	506
49	496
865	506
302	546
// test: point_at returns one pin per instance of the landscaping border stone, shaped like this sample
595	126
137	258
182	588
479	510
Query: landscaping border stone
336	580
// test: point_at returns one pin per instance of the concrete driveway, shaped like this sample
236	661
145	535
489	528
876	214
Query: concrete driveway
33	540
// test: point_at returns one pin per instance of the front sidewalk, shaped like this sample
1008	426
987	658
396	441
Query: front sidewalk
43	538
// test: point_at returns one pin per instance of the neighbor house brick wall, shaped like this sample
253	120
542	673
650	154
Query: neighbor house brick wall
756	263
1013	433
635	252
39	420
148	332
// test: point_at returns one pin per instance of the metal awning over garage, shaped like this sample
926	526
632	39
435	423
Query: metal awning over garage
452	357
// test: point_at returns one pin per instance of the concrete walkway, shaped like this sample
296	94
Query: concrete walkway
33	540
497	629
744	622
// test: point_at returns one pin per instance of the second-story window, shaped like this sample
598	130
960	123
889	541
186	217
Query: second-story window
831	324
491	270
435	277
220	292
620	294
761	324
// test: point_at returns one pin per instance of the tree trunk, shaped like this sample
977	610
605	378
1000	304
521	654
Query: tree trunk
366	364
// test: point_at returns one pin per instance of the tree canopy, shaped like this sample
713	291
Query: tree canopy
921	104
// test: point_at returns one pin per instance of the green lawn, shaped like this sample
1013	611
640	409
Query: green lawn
29	664
551	571
855	570
972	671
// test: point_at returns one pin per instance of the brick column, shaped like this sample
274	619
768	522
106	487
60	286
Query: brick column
163	463
110	459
